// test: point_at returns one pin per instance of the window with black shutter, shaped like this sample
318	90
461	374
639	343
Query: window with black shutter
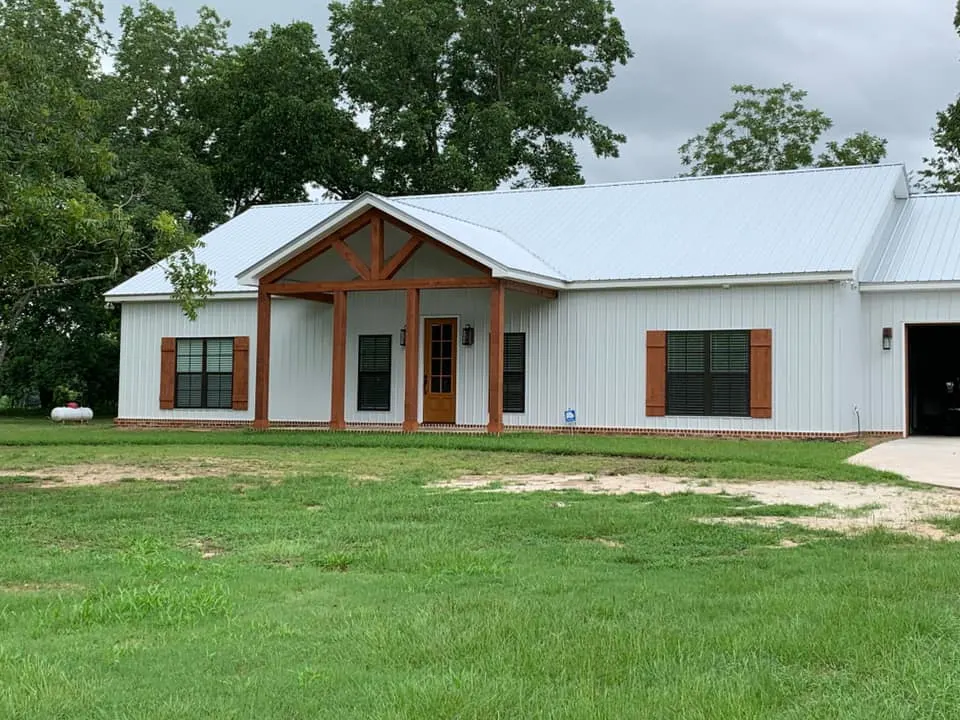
708	373
514	372
204	373
373	379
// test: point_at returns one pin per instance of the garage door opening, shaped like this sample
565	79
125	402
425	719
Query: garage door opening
933	379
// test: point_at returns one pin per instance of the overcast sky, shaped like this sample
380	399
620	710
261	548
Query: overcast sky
886	66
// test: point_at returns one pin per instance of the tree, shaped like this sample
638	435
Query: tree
58	236
146	117
772	129
942	171
270	122
468	94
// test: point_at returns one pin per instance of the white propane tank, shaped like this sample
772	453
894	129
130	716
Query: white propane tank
69	414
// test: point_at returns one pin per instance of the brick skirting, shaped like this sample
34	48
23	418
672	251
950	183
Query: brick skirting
180	424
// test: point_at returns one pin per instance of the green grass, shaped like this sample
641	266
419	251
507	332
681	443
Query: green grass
338	585
716	458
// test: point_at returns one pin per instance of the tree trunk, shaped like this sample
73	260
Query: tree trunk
9	325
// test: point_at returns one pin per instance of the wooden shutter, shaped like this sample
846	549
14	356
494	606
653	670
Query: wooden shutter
761	373
656	373
241	372
168	372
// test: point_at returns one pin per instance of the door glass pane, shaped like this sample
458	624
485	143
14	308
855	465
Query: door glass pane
435	384
436	366
445	384
446	366
447	331
435	332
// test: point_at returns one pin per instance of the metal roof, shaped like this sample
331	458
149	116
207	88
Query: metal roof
763	224
925	246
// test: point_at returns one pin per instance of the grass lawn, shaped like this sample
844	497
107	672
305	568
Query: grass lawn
319	576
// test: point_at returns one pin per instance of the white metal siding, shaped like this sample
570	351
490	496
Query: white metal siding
299	359
884	380
585	350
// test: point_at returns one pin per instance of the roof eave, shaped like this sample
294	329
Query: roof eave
716	281
910	286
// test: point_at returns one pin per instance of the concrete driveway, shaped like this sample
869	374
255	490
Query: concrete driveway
934	461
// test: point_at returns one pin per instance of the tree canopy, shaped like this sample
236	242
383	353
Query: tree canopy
103	173
941	173
469	94
772	129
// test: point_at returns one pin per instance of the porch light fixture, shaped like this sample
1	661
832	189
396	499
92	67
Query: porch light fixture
887	338
403	336
467	338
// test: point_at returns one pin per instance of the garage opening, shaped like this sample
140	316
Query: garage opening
933	379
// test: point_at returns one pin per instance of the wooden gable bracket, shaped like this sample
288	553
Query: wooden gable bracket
321	247
353	260
376	248
401	257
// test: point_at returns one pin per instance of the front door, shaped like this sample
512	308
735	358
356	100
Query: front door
440	370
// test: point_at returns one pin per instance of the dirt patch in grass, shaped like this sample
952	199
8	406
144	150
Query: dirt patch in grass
38	587
105	473
835	506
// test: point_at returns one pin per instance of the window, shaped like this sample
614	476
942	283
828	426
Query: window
708	373
204	373
373	380
514	372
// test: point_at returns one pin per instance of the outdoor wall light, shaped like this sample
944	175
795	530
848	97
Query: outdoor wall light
403	336
887	338
468	335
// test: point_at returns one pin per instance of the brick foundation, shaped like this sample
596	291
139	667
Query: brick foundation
179	424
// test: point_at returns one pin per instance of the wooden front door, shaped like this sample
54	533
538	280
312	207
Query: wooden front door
440	370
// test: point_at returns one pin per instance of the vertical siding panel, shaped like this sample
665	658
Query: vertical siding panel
884	402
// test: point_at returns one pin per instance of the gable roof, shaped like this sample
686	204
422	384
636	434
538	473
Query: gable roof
761	225
924	247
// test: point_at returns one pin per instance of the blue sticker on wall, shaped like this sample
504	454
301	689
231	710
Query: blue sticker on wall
570	416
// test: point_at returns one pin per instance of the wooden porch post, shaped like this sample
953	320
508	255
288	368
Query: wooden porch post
495	379
411	386
261	415
338	391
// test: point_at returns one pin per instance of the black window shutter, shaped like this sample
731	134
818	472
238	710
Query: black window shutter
514	372
373	378
708	373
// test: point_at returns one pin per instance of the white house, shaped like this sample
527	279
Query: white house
814	303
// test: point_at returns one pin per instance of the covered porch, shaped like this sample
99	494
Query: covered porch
368	261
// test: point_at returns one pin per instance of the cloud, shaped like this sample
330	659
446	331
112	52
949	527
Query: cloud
886	66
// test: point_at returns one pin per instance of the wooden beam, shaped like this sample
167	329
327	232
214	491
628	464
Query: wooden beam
376	248
315	297
361	285
338	391
353	260
476	265
549	293
401	257
298	261
410	230
319	248
411	387
261	420
495	376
